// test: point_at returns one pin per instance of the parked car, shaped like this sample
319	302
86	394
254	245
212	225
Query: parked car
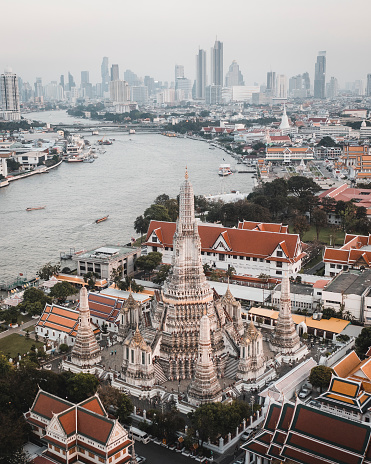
304	393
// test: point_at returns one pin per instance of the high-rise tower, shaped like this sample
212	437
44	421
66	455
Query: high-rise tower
271	83
105	74
320	76
234	75
200	74
186	296
115	73
285	339
217	63
10	95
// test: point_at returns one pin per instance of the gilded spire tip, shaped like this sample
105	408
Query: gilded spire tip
186	173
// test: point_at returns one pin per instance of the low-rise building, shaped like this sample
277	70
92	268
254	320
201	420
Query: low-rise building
355	254
30	159
289	154
350	293
103	260
252	248
77	432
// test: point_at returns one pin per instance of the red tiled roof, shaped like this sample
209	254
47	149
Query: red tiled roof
244	242
93	404
93	426
46	404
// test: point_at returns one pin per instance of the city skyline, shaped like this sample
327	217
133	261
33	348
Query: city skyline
153	42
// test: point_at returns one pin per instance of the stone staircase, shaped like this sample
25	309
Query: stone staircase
231	368
147	319
159	373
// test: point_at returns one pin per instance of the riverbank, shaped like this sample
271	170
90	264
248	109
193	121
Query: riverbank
42	170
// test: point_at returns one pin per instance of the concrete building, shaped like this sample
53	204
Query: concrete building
271	84
139	93
119	91
320	76
213	94
30	159
179	71
217	64
244	92
105	75
350	292
201	79
10	96
115	73
281	86
104	259
289	154
368	87
183	87
234	76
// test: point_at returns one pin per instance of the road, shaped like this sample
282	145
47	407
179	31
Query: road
156	454
18	329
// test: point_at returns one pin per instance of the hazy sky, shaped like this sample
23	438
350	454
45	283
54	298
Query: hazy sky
47	38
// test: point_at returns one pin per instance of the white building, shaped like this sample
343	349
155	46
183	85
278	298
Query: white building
244	92
30	159
10	95
119	91
3	164
350	292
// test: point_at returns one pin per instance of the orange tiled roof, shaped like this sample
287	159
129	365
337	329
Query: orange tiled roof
46	404
346	365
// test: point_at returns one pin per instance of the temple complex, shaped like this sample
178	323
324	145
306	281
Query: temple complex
186	295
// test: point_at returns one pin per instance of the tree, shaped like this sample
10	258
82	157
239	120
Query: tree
301	225
162	274
319	218
81	386
299	185
124	408
141	224
13	435
128	283
157	213
62	290
48	270
230	272
327	142
34	301
320	377
363	342
90	278
150	262
63	348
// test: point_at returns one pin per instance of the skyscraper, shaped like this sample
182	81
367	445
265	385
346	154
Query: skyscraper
234	75
179	71
271	83
10	95
368	90
105	74
119	91
61	81
281	86
217	63
320	76
200	74
71	81
38	87
333	88
84	78
115	75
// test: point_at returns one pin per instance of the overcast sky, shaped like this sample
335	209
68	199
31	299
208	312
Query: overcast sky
48	38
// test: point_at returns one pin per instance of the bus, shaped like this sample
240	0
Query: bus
139	435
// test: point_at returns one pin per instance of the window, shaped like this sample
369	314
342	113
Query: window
279	272
332	266
101	460
91	455
279	254
221	258
117	455
248	258
143	358
255	259
208	253
82	267
154	248
154	239
132	356
279	264
241	257
57	449
234	256
261	260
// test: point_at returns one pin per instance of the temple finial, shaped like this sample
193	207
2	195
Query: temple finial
186	173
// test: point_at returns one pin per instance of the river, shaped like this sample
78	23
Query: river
122	182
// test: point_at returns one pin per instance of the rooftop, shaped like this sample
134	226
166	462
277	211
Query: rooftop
350	283
106	252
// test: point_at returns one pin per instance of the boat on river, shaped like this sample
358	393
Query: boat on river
35	208
225	170
97	221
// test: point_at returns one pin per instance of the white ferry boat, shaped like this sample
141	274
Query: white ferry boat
225	170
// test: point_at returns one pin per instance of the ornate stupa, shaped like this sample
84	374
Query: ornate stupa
137	366
252	362
285	125
85	351
186	295
285	339
233	308
204	387
130	317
